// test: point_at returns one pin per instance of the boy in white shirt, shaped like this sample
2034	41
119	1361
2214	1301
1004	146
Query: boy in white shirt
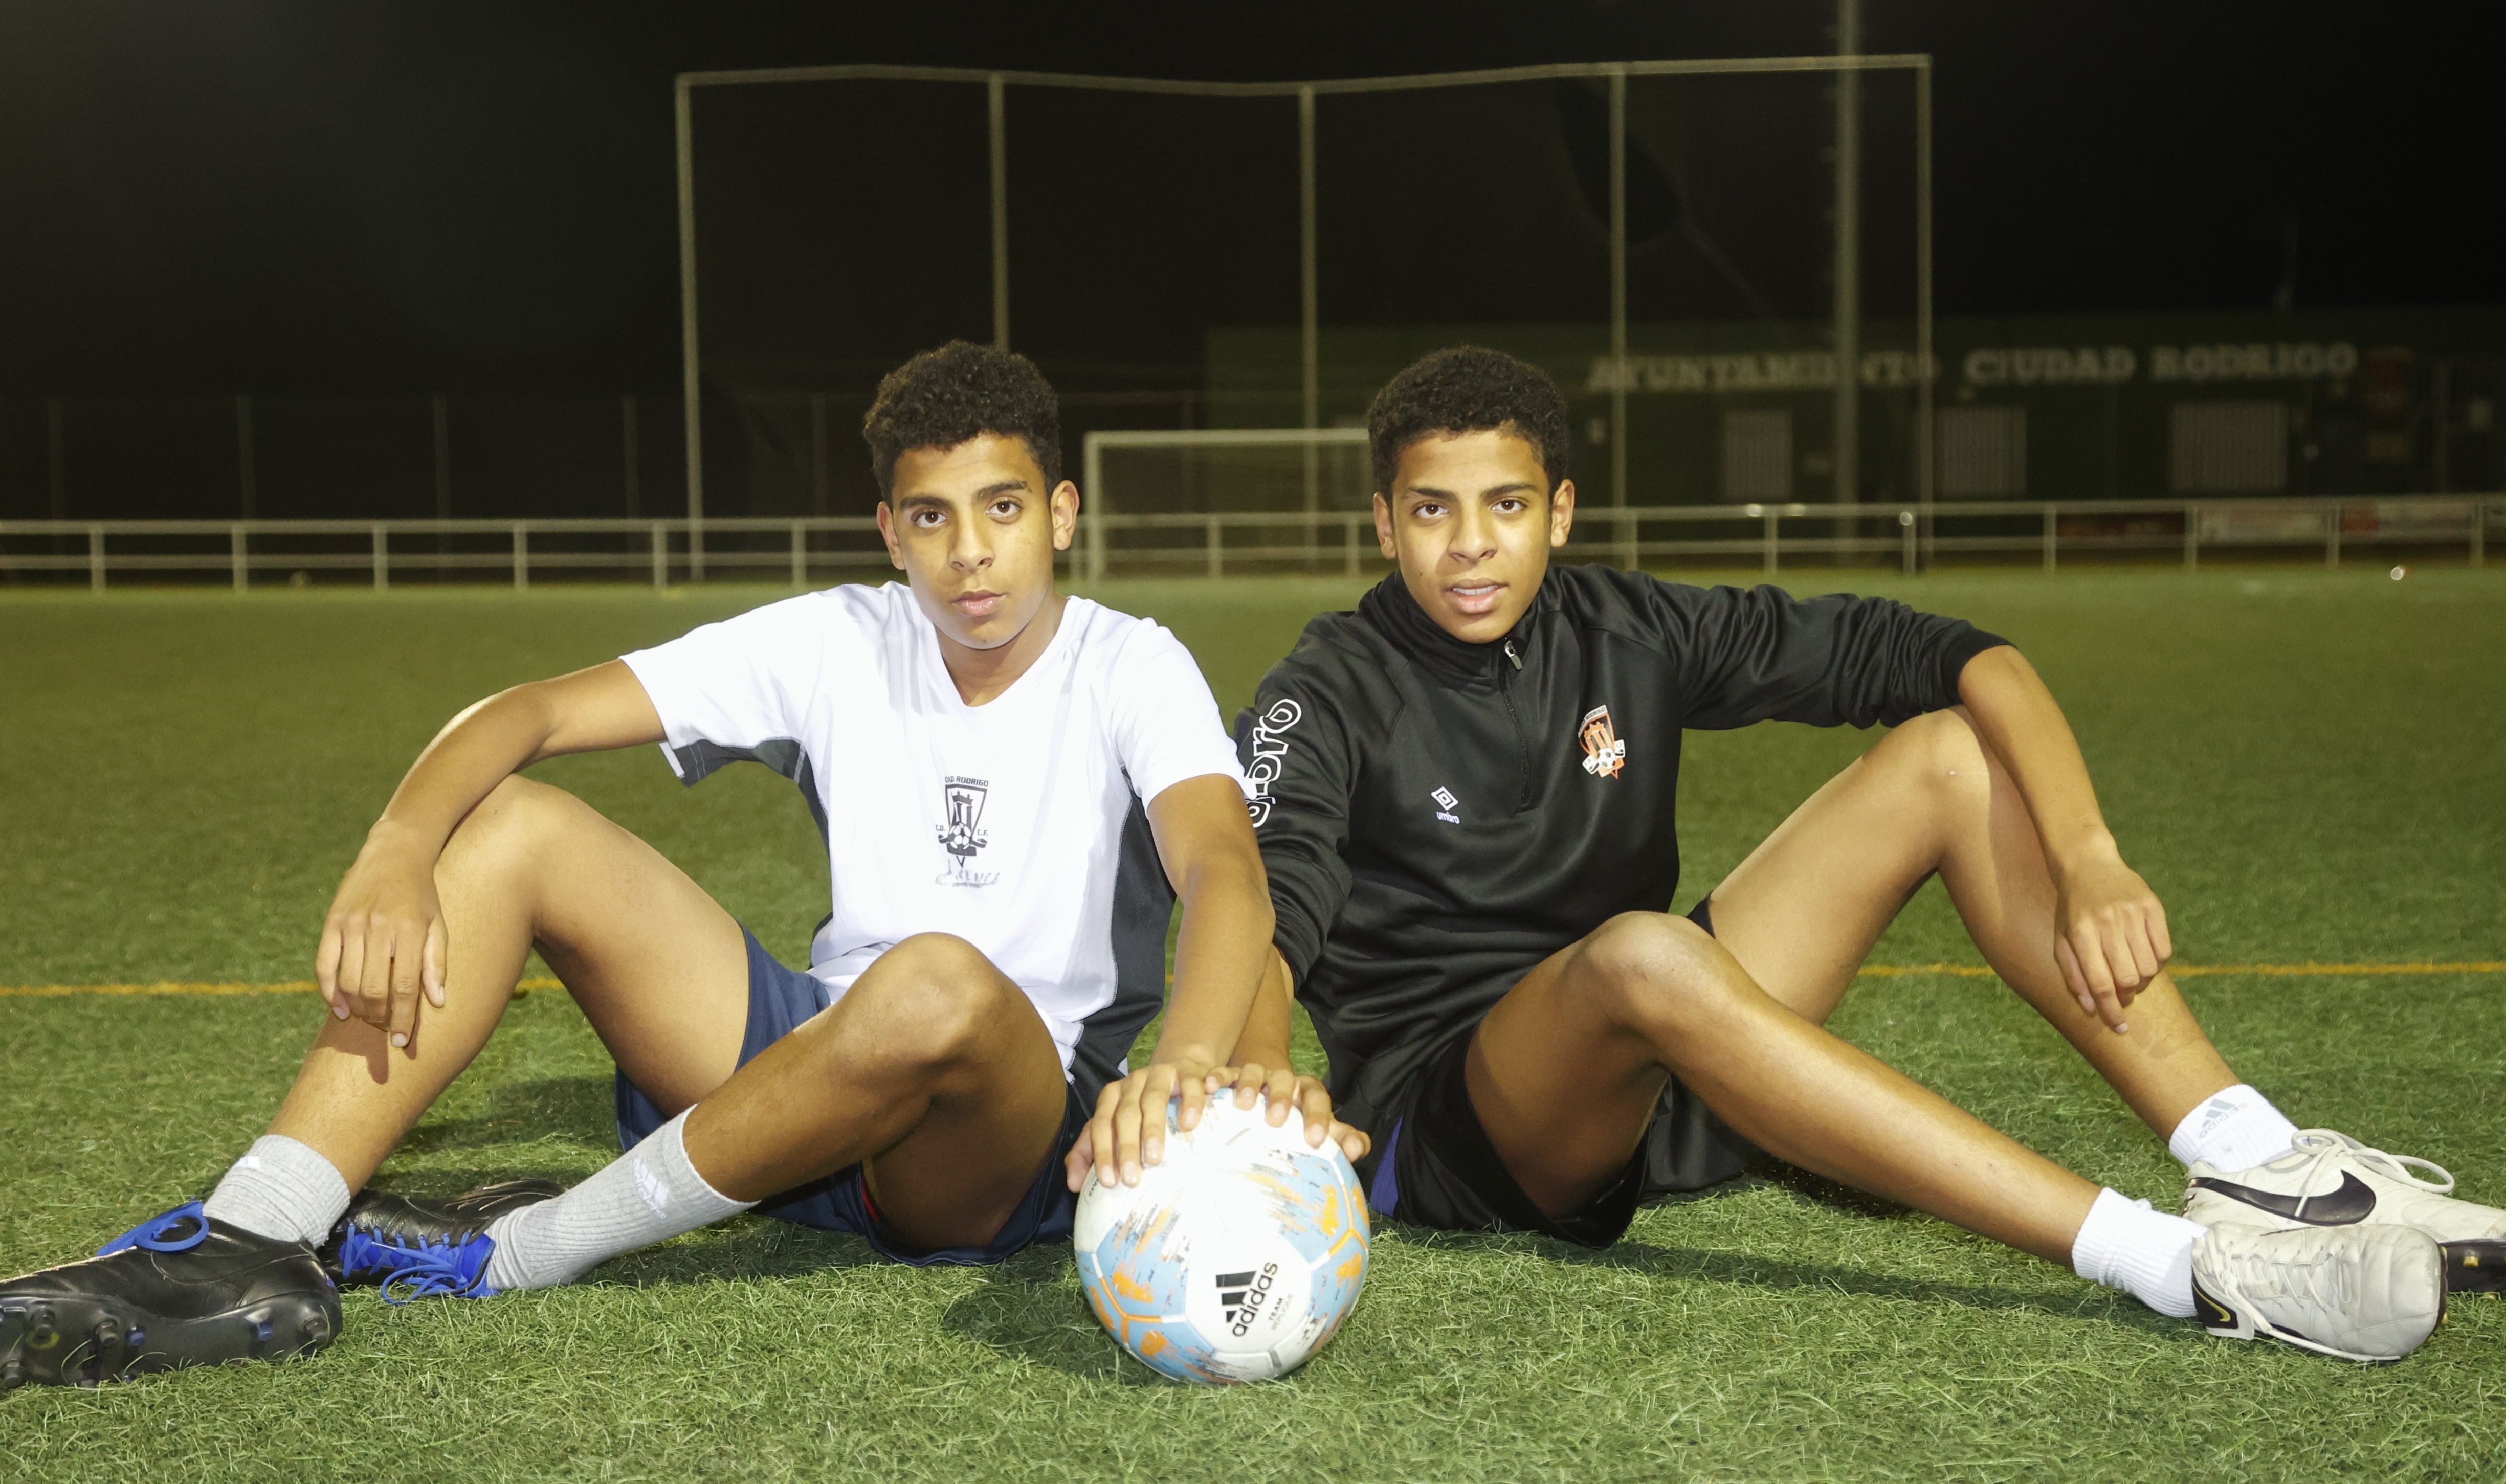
1014	788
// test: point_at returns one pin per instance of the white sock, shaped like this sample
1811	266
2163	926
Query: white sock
648	1194
280	1188
2147	1253
2236	1130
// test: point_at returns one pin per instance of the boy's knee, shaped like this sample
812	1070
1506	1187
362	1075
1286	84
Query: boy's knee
1946	755
505	828
935	996
1650	966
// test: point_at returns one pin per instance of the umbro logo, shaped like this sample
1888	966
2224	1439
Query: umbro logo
1241	1295
2351	1203
1445	804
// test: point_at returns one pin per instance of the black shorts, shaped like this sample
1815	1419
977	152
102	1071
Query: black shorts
1438	1168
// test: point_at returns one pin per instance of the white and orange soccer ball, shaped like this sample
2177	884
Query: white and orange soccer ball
1235	1257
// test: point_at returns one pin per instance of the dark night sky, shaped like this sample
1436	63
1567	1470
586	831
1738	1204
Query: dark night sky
387	195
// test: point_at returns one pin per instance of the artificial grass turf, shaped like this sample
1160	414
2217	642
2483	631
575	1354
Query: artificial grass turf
2305	764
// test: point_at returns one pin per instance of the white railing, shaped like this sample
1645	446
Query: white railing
1910	537
1214	545
666	550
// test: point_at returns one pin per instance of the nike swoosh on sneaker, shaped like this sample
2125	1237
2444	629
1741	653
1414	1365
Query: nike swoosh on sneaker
2351	1203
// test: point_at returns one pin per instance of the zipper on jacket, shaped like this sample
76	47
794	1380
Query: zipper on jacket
1522	743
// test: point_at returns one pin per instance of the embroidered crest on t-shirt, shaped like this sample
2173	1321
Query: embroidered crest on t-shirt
962	836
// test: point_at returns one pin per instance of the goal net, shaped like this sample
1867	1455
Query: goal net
1216	500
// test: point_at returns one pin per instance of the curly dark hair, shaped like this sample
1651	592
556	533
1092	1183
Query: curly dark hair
1468	389
942	398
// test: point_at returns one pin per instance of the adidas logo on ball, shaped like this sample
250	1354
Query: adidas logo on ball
1240	1296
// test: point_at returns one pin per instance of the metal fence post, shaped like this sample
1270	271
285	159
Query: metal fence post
2051	521
1352	546
799	556
95	556
2479	533
522	558
1906	525
2332	534
2192	536
1091	510
382	558
661	556
1217	539
235	558
1771	543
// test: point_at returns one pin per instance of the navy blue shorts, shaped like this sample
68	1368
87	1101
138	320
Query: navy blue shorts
780	999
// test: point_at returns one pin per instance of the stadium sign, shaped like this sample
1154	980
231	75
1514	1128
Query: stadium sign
1772	371
2113	365
2280	361
2050	365
1989	365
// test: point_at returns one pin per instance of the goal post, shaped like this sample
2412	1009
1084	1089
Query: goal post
1165	499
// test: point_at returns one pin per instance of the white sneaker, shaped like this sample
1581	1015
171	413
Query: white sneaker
2362	1293
2332	1179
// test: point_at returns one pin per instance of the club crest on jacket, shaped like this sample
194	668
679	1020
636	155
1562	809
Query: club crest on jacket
1604	754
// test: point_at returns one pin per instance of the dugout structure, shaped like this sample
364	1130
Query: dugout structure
1200	255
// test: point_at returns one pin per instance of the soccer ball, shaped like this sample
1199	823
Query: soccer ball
1235	1257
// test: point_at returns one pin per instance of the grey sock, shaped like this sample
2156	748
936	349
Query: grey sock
280	1188
648	1194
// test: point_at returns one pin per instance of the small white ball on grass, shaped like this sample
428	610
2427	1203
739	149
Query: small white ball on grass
2400	573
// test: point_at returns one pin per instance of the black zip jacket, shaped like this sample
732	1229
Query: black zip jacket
1437	817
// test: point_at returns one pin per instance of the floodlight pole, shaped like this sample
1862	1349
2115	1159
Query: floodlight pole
1846	449
1626	532
689	388
1309	302
57	488
439	410
247	488
1925	426
996	96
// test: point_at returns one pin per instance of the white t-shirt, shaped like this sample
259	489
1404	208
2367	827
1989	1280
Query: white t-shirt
1015	825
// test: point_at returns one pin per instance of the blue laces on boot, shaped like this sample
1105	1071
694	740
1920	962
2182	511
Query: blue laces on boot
149	1234
430	1270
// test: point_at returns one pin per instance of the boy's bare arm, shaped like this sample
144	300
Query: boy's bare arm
1270	1027
1262	1065
1205	844
2110	930
382	941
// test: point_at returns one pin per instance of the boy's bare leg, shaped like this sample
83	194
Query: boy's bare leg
1566	1071
1803	911
658	967
934	1070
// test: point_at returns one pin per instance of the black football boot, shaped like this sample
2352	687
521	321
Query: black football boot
417	1246
177	1289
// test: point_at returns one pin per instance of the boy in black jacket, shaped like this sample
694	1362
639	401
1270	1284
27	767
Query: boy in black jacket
1465	795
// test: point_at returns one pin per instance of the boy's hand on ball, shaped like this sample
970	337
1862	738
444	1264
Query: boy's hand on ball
1281	1089
1123	1139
